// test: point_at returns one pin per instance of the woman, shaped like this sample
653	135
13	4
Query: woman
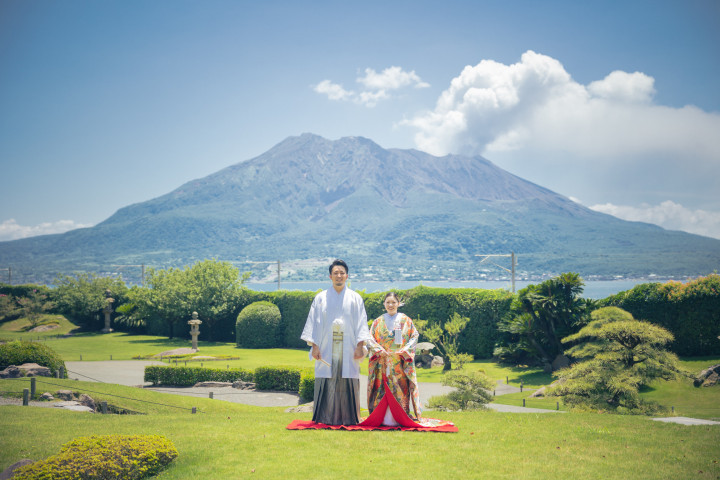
392	349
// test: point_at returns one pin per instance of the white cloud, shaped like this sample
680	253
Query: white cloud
535	106
669	215
374	86
11	230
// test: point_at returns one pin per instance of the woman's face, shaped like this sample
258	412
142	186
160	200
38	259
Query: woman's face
391	305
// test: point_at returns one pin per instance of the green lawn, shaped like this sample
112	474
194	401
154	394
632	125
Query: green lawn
227	440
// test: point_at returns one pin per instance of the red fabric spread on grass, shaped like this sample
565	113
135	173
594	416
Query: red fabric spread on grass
374	421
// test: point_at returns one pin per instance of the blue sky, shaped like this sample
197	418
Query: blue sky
107	103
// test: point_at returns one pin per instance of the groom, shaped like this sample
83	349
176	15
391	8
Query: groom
336	329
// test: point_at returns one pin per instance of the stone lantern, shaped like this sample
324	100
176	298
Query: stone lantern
194	329
108	311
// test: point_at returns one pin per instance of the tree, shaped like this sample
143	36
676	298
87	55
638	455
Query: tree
618	355
210	287
8	306
445	338
82	296
540	317
473	392
34	306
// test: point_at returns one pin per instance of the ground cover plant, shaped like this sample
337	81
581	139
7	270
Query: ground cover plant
227	440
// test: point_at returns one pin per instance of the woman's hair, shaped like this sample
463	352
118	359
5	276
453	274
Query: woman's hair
395	295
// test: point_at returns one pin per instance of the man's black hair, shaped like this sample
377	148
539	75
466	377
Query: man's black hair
341	263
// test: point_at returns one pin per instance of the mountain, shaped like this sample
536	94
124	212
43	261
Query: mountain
390	213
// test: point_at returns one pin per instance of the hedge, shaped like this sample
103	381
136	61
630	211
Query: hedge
258	326
189	376
122	457
690	311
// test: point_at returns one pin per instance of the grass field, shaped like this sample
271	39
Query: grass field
228	440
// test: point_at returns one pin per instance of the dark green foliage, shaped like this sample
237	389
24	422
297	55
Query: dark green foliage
294	307
619	355
82	297
690	311
307	385
278	378
20	351
121	457
189	376
211	288
472	392
540	317
484	308
258	326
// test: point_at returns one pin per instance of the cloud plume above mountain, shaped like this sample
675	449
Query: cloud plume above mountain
12	230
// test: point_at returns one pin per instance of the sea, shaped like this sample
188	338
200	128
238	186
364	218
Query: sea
594	289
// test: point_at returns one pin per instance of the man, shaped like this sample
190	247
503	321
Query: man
337	330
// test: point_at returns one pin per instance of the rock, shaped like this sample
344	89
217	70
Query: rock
45	328
304	408
88	401
437	361
702	376
213	384
540	392
8	472
11	372
74	406
35	370
711	380
65	395
47	396
424	360
241	385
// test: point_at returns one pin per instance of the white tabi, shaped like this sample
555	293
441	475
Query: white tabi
343	312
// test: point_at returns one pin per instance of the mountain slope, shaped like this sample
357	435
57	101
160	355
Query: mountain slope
382	210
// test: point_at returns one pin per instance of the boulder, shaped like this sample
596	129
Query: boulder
65	395
241	385
560	362
437	361
423	360
47	396
88	401
213	384
9	472
74	406
35	370
711	380
304	408
705	374
11	372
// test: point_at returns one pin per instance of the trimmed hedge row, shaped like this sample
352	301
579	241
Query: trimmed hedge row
284	379
189	376
122	457
690	311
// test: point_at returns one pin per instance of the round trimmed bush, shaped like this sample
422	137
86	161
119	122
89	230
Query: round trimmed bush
258	325
126	457
20	351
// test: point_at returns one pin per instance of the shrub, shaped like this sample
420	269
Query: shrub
257	326
278	378
189	376
473	392
126	457
307	386
20	351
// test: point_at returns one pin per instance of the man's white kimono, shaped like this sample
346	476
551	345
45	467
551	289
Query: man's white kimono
343	312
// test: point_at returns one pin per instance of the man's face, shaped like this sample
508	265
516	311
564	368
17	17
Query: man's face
338	276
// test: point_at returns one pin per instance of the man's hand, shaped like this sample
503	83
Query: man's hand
316	352
359	353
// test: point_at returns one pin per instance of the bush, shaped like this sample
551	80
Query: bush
189	376
126	457
473	392
257	326
20	351
282	379
307	386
